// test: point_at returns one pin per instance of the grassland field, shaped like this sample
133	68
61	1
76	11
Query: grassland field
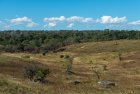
125	72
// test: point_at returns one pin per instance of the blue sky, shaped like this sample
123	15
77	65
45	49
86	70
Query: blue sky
69	14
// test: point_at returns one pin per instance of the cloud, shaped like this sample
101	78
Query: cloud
69	19
79	19
50	25
23	20
69	22
32	24
111	20
135	22
70	25
53	21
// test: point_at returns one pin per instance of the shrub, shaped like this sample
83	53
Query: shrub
104	67
43	53
30	71
67	57
36	73
68	62
41	74
3	83
97	72
61	56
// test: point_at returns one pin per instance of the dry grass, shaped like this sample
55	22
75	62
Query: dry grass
125	72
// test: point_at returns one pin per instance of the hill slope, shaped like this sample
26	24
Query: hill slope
117	61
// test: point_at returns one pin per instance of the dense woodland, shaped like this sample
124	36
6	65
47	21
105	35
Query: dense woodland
44	41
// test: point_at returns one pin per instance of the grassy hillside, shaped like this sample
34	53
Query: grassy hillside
121	58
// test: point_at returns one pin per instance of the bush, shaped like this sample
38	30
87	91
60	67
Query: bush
104	67
61	56
41	74
3	83
68	62
30	71
36	73
67	57
44	53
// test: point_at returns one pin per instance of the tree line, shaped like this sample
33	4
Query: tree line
43	41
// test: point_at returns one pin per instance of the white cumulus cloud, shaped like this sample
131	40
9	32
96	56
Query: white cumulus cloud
32	24
23	20
135	22
69	19
54	19
111	20
50	25
70	25
79	19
